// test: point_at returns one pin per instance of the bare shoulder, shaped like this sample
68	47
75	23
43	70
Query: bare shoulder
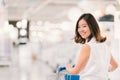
86	47
85	50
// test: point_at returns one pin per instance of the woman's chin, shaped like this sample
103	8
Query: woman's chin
83	37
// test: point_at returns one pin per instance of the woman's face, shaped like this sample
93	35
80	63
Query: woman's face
83	29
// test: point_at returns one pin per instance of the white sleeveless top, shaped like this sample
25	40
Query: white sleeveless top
98	62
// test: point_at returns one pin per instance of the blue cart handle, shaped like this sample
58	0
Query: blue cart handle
61	68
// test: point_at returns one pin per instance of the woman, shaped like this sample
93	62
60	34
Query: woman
94	60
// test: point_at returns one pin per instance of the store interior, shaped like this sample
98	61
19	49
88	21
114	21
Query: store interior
37	35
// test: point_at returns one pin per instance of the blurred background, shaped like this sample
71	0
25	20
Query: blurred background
36	36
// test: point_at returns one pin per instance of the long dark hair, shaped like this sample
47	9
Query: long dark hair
93	26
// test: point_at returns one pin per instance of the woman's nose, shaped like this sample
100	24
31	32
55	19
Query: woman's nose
81	29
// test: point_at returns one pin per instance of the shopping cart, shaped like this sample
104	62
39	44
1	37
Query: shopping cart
62	74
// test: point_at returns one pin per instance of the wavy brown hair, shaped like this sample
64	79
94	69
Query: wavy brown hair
94	29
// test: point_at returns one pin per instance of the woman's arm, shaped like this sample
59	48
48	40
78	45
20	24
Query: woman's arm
82	60
113	64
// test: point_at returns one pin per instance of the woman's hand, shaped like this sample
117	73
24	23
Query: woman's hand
69	66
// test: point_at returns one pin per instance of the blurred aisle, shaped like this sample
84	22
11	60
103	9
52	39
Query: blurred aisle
10	71
23	68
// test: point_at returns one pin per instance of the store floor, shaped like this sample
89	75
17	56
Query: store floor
23	68
14	73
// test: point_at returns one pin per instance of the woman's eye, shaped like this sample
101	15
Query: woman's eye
81	26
